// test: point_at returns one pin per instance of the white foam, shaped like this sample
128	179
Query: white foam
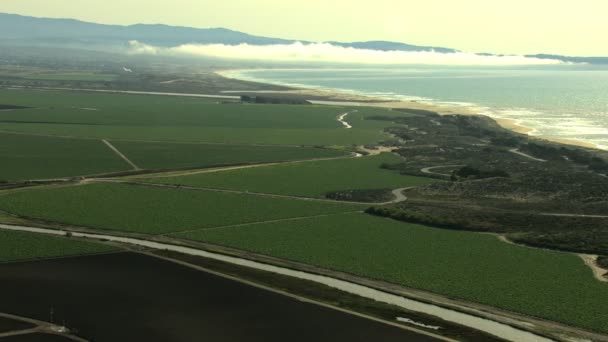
541	122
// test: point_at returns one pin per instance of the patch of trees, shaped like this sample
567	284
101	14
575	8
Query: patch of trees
417	111
273	100
368	196
576	155
455	223
552	232
602	261
592	241
469	172
505	140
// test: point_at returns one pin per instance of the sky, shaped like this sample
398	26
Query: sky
565	27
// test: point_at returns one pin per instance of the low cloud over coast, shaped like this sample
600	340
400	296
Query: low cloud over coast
327	53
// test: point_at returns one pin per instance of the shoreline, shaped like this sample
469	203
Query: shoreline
337	97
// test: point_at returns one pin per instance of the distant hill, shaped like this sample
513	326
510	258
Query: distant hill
392	46
589	60
23	30
17	27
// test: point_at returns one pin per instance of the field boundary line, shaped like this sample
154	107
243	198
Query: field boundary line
299	218
120	154
228	191
197	142
41	327
193	172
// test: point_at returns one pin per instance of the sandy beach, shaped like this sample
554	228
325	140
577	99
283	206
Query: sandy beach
335	97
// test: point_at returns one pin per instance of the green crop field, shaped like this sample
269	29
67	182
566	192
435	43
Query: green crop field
19	246
470	266
31	157
156	210
307	179
184	119
184	155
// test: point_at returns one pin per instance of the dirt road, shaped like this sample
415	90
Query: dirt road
428	170
520	153
121	155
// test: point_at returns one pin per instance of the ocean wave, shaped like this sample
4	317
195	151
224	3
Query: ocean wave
542	123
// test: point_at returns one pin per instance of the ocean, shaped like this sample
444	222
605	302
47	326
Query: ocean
560	101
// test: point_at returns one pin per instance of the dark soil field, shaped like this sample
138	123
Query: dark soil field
130	297
36	338
12	325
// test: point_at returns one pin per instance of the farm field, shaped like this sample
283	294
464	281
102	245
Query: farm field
313	179
19	246
37	338
470	266
172	303
166	118
157	210
149	155
33	157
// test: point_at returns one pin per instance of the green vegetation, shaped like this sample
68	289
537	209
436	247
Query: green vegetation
498	191
602	261
576	155
313	179
184	155
469	173
184	119
18	246
32	157
479	268
157	210
368	196
524	227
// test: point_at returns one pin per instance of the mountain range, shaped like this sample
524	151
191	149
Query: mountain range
23	30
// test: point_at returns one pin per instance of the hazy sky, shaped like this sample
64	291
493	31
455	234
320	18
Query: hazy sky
574	27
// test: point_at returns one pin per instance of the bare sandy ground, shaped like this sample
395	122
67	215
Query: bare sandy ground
378	150
513	125
598	272
342	119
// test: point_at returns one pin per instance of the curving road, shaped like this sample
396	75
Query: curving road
428	170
